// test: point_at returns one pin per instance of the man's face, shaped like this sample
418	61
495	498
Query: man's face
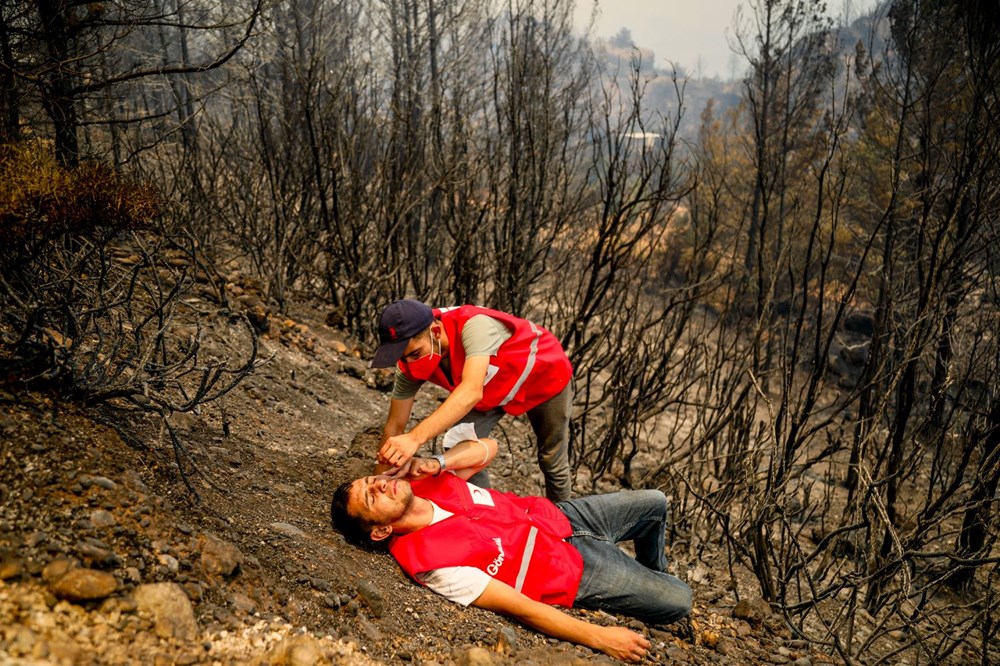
421	345
379	500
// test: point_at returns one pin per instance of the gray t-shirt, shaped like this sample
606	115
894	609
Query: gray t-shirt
482	335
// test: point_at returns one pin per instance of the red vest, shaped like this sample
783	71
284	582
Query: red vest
528	369
517	540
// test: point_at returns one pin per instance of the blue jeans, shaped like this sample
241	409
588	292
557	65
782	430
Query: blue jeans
612	581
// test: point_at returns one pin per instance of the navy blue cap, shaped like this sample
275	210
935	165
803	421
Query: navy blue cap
399	322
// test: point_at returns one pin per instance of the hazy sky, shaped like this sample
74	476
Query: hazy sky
691	34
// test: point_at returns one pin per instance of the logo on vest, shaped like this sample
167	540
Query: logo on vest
480	496
494	567
491	371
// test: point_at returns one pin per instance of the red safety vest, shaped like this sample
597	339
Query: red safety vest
517	540
528	369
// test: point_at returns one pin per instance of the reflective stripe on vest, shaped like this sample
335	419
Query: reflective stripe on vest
529	364
529	548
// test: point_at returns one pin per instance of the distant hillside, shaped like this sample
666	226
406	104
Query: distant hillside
616	54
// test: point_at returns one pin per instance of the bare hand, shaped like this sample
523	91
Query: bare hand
418	468
396	451
622	643
402	471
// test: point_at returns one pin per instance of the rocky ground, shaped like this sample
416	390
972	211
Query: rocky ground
108	557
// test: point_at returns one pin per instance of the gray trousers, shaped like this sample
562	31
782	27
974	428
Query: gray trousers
550	421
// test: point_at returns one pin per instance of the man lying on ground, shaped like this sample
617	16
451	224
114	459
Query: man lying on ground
521	556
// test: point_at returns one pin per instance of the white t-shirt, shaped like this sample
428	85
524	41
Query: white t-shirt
462	585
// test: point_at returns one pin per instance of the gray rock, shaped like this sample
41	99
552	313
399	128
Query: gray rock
725	646
288	530
320	584
84	585
506	641
678	655
170	609
103	482
218	557
371	596
96	555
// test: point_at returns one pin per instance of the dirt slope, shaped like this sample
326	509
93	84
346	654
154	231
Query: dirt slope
98	537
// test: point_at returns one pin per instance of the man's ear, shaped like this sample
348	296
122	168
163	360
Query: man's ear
381	532
437	332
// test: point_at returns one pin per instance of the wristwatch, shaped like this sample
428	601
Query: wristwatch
440	458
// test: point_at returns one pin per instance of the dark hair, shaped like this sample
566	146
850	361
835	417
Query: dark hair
354	529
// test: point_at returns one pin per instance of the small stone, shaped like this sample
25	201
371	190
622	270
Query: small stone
132	480
242	603
753	611
475	656
506	641
372	596
102	519
219	557
103	482
778	659
187	659
95	555
725	646
288	530
802	661
84	585
302	650
63	652
10	566
677	655
321	585
56	569
170	609
169	561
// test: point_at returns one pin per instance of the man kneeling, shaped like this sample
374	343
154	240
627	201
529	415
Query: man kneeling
521	556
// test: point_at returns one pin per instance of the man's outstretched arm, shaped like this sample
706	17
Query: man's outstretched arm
395	424
397	449
463	460
618	642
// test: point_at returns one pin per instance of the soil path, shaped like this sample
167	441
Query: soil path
264	579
